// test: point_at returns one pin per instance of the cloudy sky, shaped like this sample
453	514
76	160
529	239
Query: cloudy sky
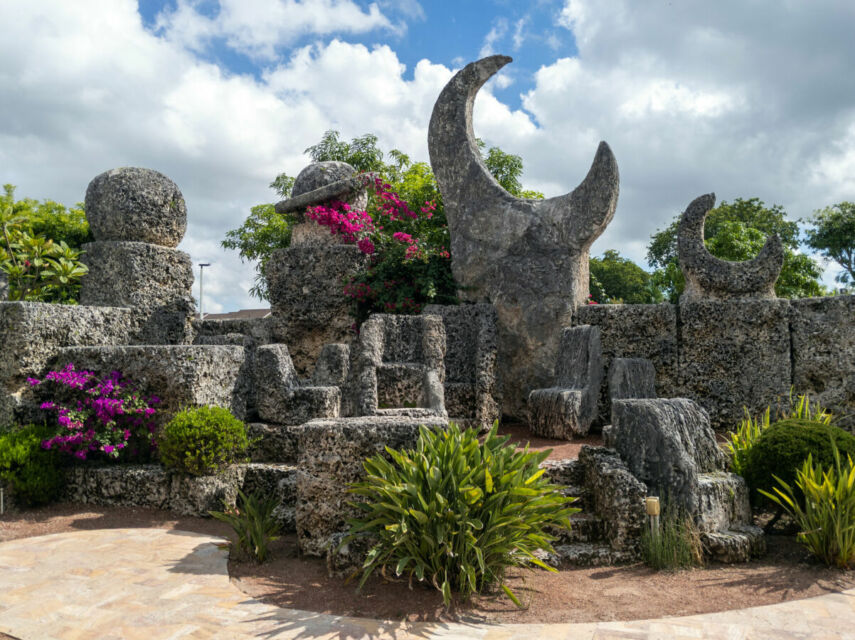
741	97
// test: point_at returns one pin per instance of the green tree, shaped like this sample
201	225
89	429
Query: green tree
832	234
40	248
618	279
265	231
737	231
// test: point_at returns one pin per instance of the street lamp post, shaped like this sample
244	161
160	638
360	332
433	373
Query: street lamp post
202	266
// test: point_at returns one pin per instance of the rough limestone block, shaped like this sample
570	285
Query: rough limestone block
528	257
739	544
280	398
181	376
258	330
734	353
568	409
473	389
666	444
823	339
616	497
138	205
31	333
635	331
124	485
308	303
332	366
273	442
632	378
722	502
136	274
274	480
400	362
4	287
197	495
331	457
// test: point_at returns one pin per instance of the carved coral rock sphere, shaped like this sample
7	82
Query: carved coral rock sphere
136	205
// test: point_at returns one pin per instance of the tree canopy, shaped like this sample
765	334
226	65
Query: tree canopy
617	279
265	231
832	234
40	246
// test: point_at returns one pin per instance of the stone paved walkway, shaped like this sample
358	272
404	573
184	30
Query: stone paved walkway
148	584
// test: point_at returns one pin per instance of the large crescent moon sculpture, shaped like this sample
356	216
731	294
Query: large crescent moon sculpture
711	277
527	257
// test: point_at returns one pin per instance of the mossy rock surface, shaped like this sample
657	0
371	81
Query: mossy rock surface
785	445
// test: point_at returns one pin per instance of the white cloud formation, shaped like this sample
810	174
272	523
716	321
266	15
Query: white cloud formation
742	99
261	27
85	90
746	100
496	33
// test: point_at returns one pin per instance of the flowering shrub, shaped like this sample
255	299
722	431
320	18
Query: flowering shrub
410	262
95	417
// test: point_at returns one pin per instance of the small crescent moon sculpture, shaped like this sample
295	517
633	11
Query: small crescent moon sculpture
529	258
710	277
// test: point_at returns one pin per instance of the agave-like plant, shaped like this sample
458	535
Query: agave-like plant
455	513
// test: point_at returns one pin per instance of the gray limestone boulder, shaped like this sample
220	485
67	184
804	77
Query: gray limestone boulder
4	287
331	455
136	205
666	444
473	386
280	398
181	376
400	364
136	274
323	182
129	485
823	342
310	309
631	378
635	331
32	332
273	442
569	408
734	354
527	257
332	366
616	497
278	481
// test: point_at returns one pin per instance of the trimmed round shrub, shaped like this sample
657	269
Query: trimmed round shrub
32	473
203	441
785	445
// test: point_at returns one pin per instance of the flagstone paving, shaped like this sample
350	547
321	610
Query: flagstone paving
148	584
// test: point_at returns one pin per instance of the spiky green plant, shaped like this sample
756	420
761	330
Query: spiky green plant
825	508
253	522
455	513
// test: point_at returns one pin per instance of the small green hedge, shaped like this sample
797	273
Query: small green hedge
203	441
32	473
785	445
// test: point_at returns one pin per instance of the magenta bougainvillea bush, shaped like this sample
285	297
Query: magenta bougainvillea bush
410	263
96	417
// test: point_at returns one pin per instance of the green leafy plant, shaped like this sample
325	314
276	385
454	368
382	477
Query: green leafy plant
455	513
33	473
253	522
785	445
40	267
203	440
677	545
751	427
823	507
